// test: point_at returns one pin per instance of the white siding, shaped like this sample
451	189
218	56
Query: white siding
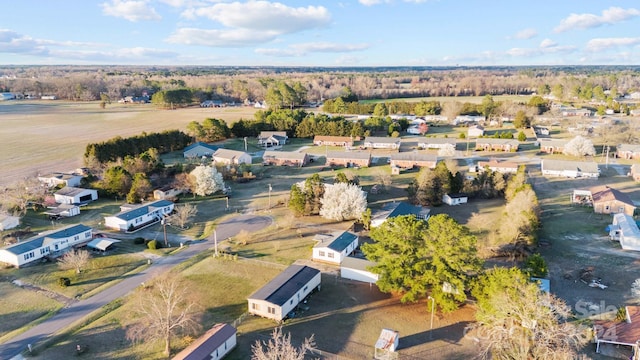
358	275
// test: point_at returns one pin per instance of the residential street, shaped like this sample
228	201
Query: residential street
80	309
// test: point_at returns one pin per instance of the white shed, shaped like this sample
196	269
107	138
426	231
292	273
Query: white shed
333	248
75	195
454	199
354	268
625	229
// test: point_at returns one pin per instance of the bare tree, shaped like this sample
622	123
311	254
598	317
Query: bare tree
279	347
165	309
383	178
75	259
17	198
183	214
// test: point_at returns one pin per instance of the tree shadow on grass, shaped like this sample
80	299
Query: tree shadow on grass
100	280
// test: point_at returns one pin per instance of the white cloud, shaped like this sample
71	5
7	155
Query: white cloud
609	16
525	34
601	44
14	43
266	16
132	10
220	38
547	46
372	2
313	47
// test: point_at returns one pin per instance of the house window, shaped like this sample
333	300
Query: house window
621	210
26	256
305	288
271	310
606	208
321	253
330	255
76	238
254	306
87	234
291	302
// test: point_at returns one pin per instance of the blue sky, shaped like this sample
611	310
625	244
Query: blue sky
320	33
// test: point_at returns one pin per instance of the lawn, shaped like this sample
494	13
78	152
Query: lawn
461	99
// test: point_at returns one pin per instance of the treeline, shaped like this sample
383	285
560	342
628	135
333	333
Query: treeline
119	147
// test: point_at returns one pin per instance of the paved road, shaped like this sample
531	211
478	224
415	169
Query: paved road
80	309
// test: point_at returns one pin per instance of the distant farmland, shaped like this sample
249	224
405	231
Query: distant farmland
45	136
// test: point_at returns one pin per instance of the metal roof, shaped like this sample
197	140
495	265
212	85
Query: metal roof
37	241
73	191
285	285
337	241
199	143
203	346
142	210
560	165
286	155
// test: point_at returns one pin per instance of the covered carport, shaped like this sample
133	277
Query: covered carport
102	244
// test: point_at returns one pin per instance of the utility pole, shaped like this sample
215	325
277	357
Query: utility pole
245	144
433	307
164	228
270	188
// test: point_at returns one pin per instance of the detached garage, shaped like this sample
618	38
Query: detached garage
75	195
353	268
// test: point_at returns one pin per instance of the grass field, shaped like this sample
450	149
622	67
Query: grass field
45	136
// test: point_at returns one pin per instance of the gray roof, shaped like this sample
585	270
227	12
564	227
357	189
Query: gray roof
413	156
437	141
629	147
202	347
267	134
394	209
553	142
142	209
37	241
287	155
198	144
560	165
72	191
285	285
382	140
357	263
337	241
498	141
229	154
348	155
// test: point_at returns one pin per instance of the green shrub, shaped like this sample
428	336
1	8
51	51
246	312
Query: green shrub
138	241
536	266
153	244
64	282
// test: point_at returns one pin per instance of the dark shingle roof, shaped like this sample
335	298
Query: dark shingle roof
285	285
202	348
141	210
337	241
199	143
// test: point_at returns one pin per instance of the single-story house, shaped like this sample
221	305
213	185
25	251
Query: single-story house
455	199
628	151
166	193
504	167
8	222
348	158
606	200
213	345
229	157
272	138
467	119
635	172
198	150
137	216
615	332
285	158
490	144
63	210
625	229
409	160
282	295
377	142
75	195
576	112
552	146
354	268
475	131
50	243
570	169
436	143
393	209
333	140
541	130
57	178
333	248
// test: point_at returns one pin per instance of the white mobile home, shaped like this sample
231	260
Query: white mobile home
8	222
455	199
58	178
281	295
213	345
45	244
333	248
130	219
570	169
625	229
75	195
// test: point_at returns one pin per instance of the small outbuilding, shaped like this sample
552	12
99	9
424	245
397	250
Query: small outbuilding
387	344
625	229
63	210
455	199
215	344
75	195
615	332
334	247
282	295
198	150
231	157
102	243
357	269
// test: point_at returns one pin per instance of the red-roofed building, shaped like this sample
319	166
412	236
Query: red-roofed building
619	332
